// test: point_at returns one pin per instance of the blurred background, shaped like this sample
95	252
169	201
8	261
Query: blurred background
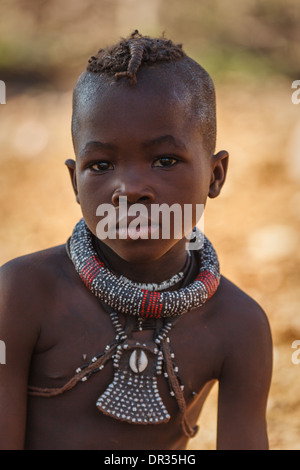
252	51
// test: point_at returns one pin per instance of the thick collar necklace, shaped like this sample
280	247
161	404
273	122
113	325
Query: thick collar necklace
125	297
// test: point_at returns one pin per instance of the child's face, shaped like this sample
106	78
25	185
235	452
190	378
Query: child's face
140	142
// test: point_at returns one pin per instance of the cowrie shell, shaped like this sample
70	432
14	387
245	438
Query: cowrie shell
138	361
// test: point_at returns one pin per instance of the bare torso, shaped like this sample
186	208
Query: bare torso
71	327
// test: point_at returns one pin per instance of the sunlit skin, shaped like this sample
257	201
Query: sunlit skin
151	151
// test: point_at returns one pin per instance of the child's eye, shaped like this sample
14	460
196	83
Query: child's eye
101	166
165	161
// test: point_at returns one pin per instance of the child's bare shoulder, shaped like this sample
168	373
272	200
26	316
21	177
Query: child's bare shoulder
239	314
32	276
39	262
28	287
238	301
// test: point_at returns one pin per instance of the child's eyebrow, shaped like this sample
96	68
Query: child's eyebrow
169	139
96	145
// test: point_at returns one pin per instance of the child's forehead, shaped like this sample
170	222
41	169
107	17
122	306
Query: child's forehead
166	90
138	117
138	114
182	89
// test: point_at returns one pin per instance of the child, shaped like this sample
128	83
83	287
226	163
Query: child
115	343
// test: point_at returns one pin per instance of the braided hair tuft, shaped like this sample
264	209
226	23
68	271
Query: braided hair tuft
125	58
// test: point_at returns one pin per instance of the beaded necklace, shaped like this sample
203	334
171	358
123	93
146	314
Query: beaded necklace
133	395
149	286
131	300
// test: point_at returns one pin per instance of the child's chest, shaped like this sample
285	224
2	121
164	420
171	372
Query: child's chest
76	329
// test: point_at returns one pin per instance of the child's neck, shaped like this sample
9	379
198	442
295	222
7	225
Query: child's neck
154	271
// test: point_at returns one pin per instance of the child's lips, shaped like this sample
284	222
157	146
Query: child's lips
143	228
140	231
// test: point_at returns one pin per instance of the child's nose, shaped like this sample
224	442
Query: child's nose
135	191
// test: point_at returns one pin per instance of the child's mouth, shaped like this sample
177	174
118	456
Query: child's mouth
148	231
133	228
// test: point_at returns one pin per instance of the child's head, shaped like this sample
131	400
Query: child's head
144	127
136	54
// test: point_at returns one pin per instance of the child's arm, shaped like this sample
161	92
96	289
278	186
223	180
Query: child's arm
18	333
245	382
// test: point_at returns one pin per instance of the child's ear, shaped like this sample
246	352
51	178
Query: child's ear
219	171
71	164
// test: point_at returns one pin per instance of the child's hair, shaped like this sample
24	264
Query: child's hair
125	58
129	55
